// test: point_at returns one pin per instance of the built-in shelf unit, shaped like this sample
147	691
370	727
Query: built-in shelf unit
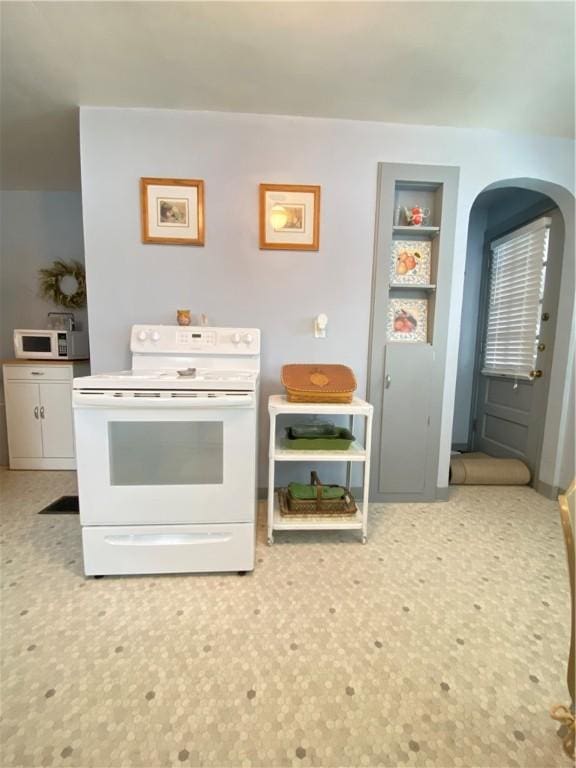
412	276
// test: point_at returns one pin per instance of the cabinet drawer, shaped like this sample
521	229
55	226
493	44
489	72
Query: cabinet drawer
136	549
38	372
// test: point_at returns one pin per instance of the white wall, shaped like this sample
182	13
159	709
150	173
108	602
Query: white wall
230	278
36	228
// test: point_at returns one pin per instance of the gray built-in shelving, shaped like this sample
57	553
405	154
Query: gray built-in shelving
406	377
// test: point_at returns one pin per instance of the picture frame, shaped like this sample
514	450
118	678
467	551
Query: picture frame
172	211
289	217
410	262
407	320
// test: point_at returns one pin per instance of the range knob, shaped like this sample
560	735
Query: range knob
247	338
142	335
235	338
155	336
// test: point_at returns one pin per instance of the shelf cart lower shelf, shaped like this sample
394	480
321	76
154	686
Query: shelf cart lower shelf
316	522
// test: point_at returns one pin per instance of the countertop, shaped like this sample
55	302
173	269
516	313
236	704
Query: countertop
25	361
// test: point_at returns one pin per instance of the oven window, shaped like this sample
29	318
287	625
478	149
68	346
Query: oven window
36	343
166	452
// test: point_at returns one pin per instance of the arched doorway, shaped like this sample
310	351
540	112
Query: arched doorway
534	425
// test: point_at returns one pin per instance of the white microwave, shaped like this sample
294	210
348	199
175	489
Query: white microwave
50	345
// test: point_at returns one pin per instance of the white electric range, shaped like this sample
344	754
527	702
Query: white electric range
166	454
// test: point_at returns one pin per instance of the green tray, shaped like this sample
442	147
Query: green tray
340	442
325	429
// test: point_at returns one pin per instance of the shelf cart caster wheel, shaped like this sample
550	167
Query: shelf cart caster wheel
270	540
364	539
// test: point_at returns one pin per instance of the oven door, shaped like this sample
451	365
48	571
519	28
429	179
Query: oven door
142	461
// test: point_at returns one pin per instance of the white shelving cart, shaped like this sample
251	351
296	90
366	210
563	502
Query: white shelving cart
279	405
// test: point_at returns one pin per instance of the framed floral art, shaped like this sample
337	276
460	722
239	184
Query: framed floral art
172	211
289	217
407	320
410	262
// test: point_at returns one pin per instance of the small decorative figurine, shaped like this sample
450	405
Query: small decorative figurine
183	317
415	216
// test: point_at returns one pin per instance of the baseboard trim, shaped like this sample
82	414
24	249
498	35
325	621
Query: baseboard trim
549	491
48	464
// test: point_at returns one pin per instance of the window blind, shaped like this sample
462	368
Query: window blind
516	288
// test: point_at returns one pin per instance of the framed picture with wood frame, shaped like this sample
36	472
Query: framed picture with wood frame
172	211
289	217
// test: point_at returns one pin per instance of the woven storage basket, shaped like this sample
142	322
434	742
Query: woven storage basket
318	383
317	507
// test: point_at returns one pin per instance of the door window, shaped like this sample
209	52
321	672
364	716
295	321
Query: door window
166	452
517	277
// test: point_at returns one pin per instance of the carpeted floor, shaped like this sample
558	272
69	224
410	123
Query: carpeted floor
442	642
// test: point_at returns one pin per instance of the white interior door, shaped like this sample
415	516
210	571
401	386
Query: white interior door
23	419
56	419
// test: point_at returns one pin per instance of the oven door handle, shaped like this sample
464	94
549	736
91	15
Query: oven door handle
81	399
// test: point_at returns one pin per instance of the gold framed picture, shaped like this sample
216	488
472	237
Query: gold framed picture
289	217
172	211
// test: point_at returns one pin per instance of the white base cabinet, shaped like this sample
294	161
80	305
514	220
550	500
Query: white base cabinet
39	414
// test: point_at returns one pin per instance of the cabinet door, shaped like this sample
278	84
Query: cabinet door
405	419
23	420
57	426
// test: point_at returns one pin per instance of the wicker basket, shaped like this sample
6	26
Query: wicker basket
318	507
318	383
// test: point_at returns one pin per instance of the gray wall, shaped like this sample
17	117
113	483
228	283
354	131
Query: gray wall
230	278
35	229
493	213
568	464
469	329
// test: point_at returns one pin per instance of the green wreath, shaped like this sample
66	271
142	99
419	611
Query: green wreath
51	279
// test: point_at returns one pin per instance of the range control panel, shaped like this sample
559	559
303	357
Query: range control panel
181	339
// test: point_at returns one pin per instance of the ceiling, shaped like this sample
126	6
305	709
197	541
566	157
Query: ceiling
502	65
